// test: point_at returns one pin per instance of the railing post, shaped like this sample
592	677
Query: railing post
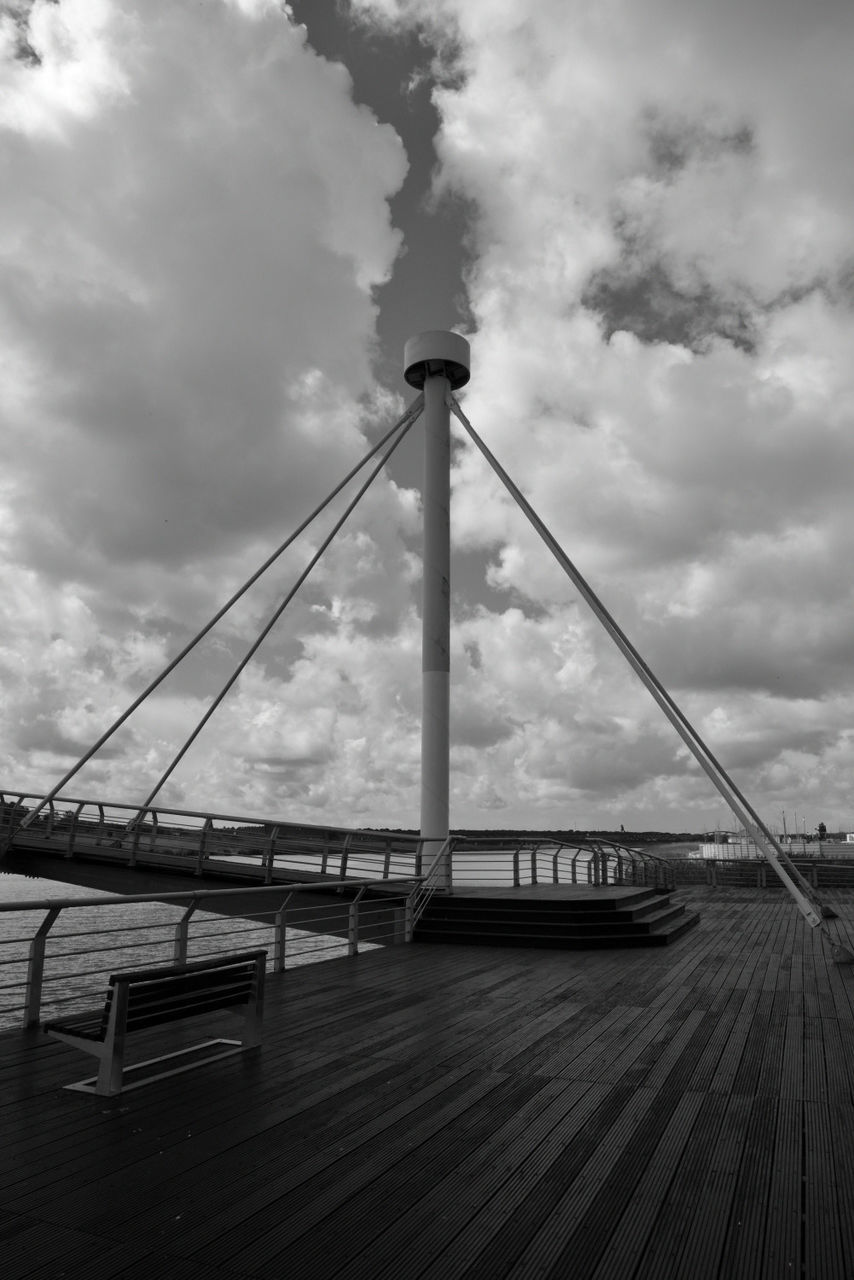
152	839
353	931
72	831
345	854
280	945
534	850
134	844
51	815
35	970
203	840
555	876
516	880
179	951
101	825
408	913
270	856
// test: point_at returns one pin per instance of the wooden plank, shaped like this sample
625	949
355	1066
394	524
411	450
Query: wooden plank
782	1254
574	1227
838	1064
498	1173
690	1233
822	1230
394	1174
792	1069
841	1131
744	1243
745	1031
533	1235
637	1232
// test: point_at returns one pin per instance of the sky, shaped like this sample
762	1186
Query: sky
221	221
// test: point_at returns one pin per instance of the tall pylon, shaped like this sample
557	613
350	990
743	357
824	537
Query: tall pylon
439	362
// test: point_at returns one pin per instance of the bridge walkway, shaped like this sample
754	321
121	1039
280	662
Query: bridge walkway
441	1112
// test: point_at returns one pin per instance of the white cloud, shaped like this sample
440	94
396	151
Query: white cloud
198	219
660	282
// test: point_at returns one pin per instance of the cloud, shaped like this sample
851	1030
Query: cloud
659	275
190	247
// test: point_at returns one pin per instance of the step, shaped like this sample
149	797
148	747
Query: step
582	906
610	939
642	918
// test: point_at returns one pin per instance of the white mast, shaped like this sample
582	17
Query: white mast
437	361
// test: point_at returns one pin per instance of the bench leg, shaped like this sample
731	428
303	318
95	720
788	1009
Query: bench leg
253	1019
109	1081
252	1026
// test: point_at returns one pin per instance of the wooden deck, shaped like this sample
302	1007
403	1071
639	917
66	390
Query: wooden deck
449	1112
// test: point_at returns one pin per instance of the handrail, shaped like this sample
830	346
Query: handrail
245	842
421	894
361	917
196	895
242	819
608	861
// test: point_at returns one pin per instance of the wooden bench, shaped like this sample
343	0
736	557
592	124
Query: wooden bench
143	998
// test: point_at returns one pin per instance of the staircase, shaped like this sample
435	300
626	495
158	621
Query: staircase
639	918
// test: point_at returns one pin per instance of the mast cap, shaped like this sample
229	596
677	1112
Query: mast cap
437	351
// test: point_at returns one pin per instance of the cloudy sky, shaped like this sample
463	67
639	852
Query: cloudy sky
217	228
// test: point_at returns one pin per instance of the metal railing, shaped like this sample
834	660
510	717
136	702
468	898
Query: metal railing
430	883
819	872
485	861
58	952
66	947
260	849
271	850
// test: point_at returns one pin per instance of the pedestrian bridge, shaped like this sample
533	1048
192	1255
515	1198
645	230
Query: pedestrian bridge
99	843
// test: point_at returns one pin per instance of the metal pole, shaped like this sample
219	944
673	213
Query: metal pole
436	615
438	362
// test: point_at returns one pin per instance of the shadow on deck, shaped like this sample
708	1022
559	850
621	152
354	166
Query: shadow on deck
468	1111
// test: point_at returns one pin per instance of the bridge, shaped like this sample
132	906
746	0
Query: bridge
160	853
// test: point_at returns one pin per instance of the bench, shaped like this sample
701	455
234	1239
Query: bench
143	998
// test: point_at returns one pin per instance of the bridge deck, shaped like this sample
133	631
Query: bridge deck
443	1112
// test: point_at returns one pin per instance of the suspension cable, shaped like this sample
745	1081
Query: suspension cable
406	420
267	628
810	906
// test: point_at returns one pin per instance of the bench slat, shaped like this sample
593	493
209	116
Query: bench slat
152	1015
91	1026
184	986
192	966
